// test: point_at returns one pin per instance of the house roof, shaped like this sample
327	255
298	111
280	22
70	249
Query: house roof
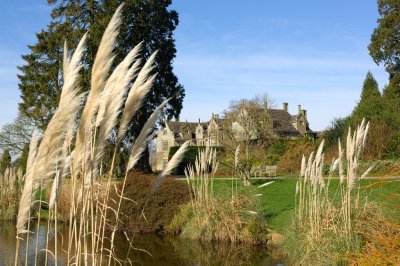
179	127
281	121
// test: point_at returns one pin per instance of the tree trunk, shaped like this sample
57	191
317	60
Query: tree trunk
143	164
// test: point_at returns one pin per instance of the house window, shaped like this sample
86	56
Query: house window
165	146
164	132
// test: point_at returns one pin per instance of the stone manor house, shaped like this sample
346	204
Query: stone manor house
175	133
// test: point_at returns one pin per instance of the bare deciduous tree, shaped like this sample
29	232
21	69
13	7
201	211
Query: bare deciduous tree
15	135
247	123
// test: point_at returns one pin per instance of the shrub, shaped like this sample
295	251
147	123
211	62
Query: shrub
189	157
150	213
381	242
289	162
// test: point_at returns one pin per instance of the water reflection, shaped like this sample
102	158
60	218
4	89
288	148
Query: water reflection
145	250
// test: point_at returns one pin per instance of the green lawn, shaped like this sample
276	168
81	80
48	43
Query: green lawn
277	200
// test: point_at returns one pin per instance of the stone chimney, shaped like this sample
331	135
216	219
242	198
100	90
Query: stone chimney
299	109
304	113
177	119
286	107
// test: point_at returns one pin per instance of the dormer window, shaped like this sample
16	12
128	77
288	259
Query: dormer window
164	132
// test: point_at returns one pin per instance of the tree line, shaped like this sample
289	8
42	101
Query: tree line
382	109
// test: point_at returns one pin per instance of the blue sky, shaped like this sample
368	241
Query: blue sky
312	53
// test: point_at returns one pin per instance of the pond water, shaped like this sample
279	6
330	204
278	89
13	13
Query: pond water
159	250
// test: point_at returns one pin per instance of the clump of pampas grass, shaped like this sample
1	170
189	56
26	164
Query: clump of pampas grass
10	191
325	225
74	148
218	218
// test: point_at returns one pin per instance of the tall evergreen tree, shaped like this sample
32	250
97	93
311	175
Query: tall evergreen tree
149	21
24	158
5	161
370	104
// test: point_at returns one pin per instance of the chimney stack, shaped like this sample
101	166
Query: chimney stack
177	118
286	107
304	113
299	109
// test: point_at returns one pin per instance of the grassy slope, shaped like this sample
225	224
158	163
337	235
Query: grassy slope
277	200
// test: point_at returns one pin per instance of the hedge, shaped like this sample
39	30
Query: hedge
189	157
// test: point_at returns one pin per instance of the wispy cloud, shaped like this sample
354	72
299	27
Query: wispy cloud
320	84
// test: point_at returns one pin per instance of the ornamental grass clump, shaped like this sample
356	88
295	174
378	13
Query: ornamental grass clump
72	146
231	217
10	191
325	225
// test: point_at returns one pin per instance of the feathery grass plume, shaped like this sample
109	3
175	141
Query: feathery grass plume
63	168
71	69
58	182
341	169
117	82
319	161
174	162
367	172
237	155
137	93
65	57
307	173
143	137
334	165
54	191
112	99
26	197
50	148
303	166
101	67
355	144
